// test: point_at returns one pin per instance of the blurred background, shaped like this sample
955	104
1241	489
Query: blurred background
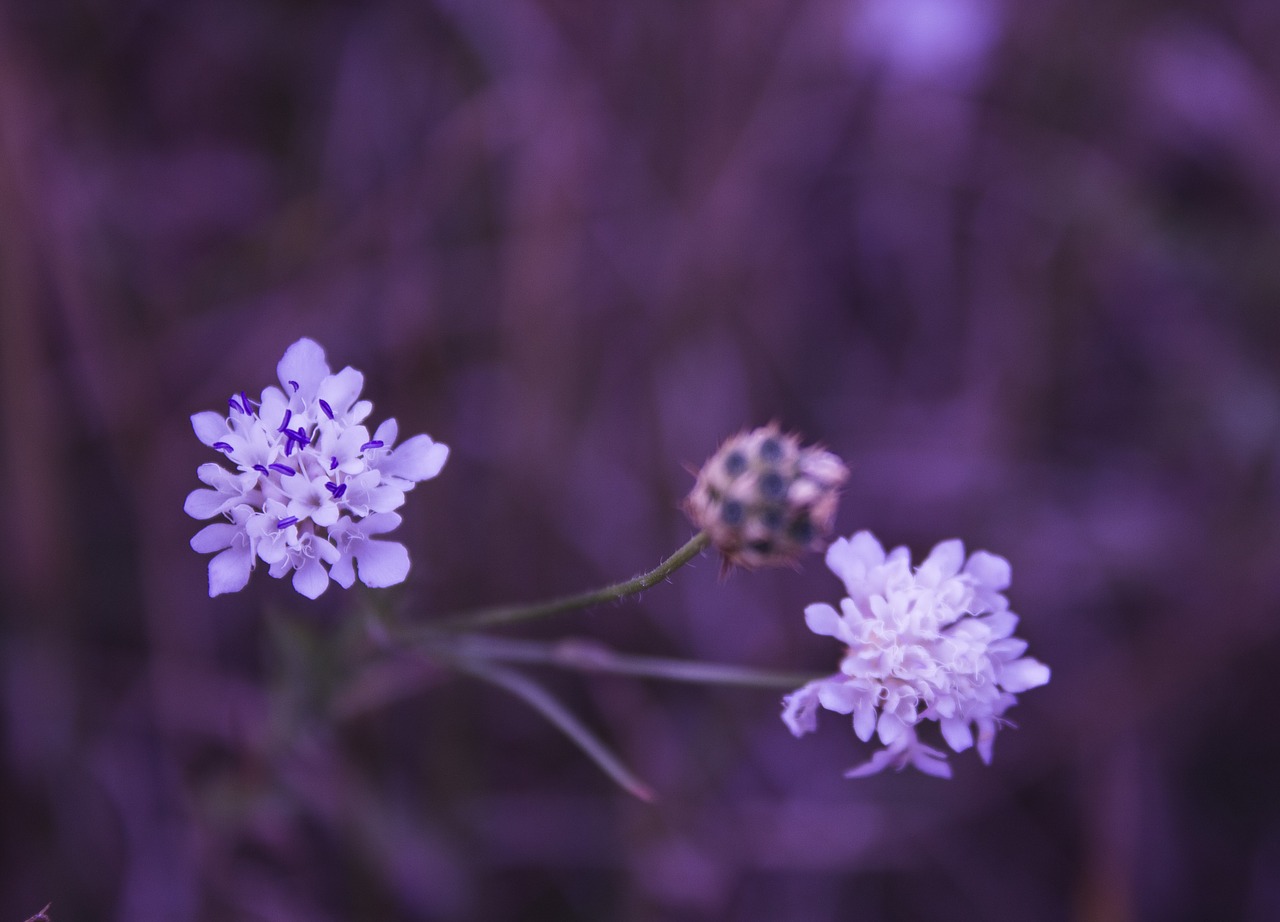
1018	263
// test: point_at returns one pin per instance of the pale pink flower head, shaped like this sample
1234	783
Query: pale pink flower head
933	643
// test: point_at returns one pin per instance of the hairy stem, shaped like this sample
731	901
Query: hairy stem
511	614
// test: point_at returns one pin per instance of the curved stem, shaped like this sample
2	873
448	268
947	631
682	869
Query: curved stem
541	701
510	614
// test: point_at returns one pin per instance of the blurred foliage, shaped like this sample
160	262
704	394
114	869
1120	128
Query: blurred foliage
1014	262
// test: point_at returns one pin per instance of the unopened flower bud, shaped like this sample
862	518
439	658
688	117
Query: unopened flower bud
764	499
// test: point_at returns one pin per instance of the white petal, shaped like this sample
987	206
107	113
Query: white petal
878	762
890	728
947	557
382	563
991	570
310	579
839	696
303	364
214	537
1023	674
210	427
822	619
387	432
380	523
229	571
417	459
864	720
340	391
204	504
343	572
931	762
957	734
800	710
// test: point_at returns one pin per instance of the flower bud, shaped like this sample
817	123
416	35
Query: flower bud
764	499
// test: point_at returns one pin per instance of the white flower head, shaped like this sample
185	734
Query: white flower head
934	643
307	473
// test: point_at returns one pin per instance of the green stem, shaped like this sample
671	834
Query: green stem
589	656
511	614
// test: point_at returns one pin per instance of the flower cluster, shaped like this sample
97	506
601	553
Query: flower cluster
312	486
764	499
934	643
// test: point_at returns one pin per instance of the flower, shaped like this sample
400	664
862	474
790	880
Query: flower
934	643
763	499
307	475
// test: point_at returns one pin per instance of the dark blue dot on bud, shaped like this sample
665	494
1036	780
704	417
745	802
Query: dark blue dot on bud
771	450
761	547
731	513
771	517
735	462
772	486
801	530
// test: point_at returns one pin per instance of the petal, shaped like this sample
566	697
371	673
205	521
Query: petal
800	710
839	696
210	427
864	720
890	727
340	391
343	572
946	557
388	432
1023	674
878	762
229	571
957	734
205	504
214	537
380	523
303	364
382	563
310	579
990	570
931	762
986	738
417	459
822	619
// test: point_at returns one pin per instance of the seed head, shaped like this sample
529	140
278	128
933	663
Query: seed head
764	499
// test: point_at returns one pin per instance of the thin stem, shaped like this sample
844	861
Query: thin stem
542	701
590	656
510	614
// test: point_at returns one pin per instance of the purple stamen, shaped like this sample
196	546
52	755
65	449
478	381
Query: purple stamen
375	443
328	410
303	437
223	446
261	467
284	424
333	462
295	386
284	469
244	401
234	404
288	447
287	521
336	489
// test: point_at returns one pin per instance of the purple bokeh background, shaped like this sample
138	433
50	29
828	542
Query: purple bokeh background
1019	264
